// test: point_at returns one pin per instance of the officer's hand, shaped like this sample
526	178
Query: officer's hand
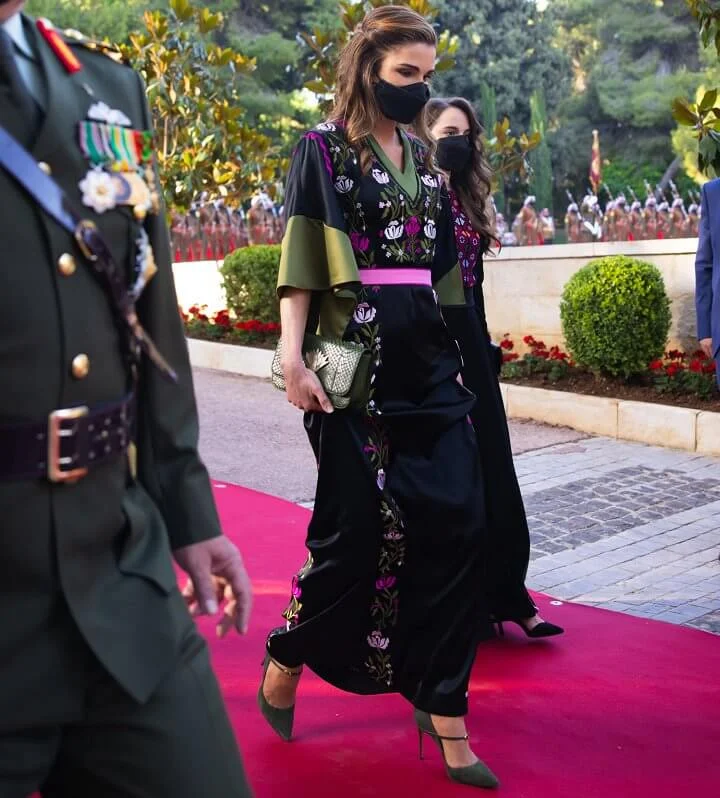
217	575
707	347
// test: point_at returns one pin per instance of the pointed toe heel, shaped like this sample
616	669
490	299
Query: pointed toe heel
476	775
280	720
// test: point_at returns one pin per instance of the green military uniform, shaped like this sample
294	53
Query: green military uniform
105	685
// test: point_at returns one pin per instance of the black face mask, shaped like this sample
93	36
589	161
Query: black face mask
454	153
401	103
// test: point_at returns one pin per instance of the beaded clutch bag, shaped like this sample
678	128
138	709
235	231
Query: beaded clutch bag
341	366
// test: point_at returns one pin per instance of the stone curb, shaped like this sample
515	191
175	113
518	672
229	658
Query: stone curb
644	422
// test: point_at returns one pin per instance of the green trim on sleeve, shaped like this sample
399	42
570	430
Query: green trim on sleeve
450	288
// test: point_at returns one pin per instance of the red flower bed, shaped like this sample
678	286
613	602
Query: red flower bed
223	328
679	377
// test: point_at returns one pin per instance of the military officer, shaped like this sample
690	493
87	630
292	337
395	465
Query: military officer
105	684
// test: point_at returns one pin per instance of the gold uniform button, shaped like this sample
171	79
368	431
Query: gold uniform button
66	264
80	366
45	167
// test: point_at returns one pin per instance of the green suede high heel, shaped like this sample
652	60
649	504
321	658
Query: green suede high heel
477	775
281	720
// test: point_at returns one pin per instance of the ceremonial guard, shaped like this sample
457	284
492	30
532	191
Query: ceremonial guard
650	218
664	222
635	222
622	219
106	688
573	223
678	219
693	220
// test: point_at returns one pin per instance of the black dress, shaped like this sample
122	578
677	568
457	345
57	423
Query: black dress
508	537
387	600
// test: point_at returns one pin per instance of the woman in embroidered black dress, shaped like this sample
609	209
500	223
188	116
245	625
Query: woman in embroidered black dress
453	124
388	599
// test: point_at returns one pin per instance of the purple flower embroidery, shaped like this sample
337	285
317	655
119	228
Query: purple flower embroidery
360	243
376	640
323	148
385	582
393	534
296	590
412	226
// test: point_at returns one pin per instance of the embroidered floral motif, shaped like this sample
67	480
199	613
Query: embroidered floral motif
292	612
467	242
364	313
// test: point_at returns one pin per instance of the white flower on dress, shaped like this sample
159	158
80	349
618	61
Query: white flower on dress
429	181
376	640
98	190
364	313
344	184
380	176
394	230
430	230
381	479
327	126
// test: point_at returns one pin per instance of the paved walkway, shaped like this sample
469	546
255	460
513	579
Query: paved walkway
619	525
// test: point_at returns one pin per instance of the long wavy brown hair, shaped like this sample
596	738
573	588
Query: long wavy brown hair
357	71
473	185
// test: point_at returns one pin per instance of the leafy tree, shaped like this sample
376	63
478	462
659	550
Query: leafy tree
541	180
509	46
703	115
112	19
627	57
203	141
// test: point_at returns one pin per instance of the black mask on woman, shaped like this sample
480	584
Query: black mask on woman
401	103
454	153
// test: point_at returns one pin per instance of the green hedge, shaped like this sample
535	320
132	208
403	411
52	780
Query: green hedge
616	315
249	279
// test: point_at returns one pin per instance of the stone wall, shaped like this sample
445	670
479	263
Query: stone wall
523	285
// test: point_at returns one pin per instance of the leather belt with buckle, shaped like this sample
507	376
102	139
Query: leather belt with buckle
65	446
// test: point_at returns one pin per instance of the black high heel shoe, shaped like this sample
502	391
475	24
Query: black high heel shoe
281	720
543	629
477	775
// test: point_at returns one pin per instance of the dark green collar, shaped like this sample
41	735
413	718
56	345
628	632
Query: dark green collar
407	179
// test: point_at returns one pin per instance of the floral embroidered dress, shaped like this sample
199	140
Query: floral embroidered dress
387	600
508	536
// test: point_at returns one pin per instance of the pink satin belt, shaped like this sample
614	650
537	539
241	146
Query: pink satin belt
382	276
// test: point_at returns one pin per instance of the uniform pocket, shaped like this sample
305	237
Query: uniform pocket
146	550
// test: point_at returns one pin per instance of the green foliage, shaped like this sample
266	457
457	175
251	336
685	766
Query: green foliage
508	45
703	115
112	19
541	180
627	176
628	57
249	279
616	315
204	142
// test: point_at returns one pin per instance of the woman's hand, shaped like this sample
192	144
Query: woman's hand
304	390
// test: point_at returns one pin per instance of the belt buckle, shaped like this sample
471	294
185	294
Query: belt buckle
57	432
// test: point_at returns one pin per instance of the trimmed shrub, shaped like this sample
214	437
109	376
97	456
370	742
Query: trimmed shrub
249	279
616	315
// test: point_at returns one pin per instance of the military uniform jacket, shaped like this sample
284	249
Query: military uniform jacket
93	556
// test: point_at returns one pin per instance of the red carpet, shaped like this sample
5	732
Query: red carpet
619	707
